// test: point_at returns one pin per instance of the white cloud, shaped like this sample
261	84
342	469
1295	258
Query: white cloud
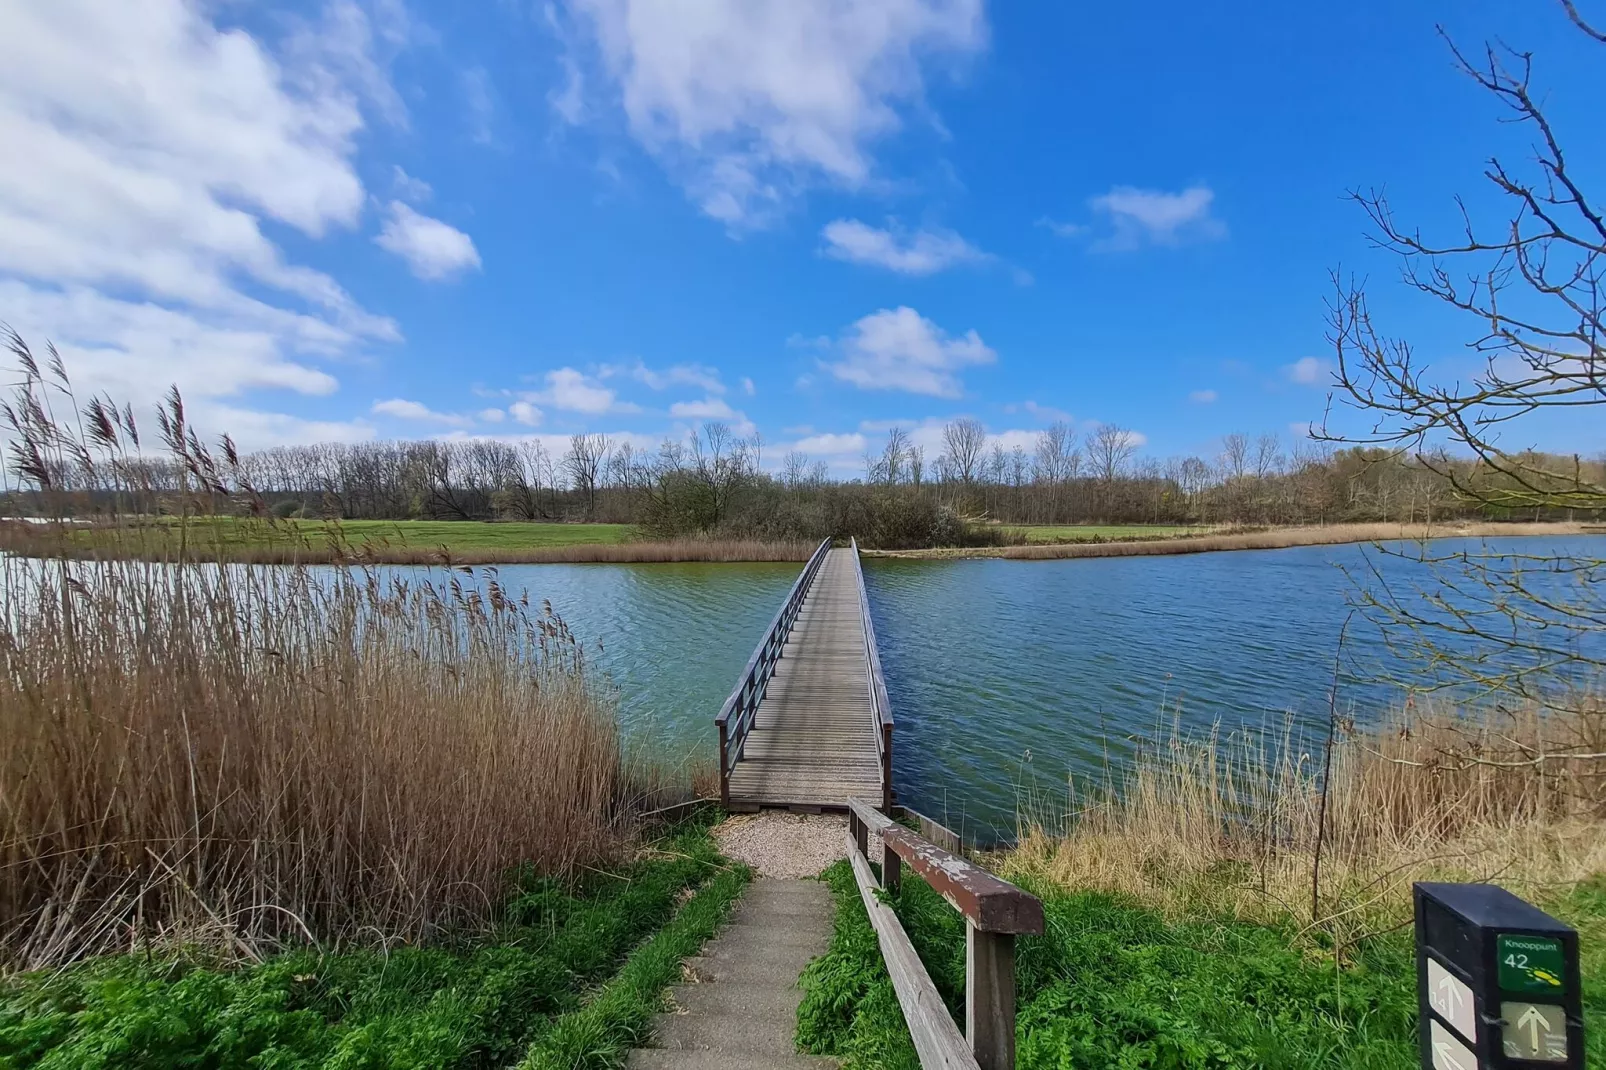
525	413
480	99
899	349
707	409
1139	217
923	252
828	446
490	416
152	149
409	188
1203	397
1045	412
747	101
698	375
432	249
403	409
747	386
1307	371
574	391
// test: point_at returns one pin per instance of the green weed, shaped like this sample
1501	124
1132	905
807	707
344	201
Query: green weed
479	1004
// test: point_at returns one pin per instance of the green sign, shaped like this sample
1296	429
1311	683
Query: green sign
1531	963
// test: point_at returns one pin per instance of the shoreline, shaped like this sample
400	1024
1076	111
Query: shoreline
752	551
1270	539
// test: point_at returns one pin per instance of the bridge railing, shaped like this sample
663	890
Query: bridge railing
735	718
880	706
995	912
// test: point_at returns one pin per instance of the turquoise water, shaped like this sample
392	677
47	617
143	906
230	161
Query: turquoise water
1005	675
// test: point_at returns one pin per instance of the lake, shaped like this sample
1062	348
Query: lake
1004	674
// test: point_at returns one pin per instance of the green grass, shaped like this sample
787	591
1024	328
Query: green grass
483	1003
250	534
1113	984
1052	533
453	534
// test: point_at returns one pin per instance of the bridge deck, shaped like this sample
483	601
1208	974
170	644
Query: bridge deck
813	741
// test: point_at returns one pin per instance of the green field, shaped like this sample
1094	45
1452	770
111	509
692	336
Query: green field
1051	533
463	534
234	533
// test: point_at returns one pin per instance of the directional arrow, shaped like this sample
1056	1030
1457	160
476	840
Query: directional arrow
1447	1051
1450	996
1533	1021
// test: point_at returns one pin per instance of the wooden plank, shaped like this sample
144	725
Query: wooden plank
990	997
988	902
937	1039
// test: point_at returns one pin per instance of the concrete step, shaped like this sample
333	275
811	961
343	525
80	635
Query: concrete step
665	1059
704	1032
756	932
758	967
747	1003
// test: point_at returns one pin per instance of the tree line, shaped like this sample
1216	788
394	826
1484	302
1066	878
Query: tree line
716	482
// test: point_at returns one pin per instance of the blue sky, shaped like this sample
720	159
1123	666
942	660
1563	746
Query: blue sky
395	218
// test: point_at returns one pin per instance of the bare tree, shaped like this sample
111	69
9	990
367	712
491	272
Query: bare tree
1109	449
917	464
1057	455
1235	455
965	443
584	461
1530	285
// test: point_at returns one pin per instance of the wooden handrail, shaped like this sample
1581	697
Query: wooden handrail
880	705
735	718
995	911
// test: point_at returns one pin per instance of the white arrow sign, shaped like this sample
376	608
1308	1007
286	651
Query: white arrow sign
1452	999
1448	1052
1535	1031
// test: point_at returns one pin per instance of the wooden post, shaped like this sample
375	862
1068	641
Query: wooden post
724	768
990	997
861	836
891	869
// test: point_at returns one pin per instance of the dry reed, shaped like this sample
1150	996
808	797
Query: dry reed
1248	824
1273	539
247	755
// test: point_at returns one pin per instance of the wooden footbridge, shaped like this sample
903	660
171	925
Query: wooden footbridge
808	726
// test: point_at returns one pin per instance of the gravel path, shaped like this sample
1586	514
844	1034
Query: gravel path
781	844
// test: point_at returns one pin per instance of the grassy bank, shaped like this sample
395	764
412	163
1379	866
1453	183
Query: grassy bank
1233	901
307	542
525	990
1270	539
1034	534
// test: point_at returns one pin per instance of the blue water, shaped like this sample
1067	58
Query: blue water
1008	674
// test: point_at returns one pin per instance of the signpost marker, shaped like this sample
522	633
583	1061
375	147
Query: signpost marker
1497	982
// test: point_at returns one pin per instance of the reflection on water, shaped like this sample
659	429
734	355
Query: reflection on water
1003	673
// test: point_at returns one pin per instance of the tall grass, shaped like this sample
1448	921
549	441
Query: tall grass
1273	826
1271	539
243	756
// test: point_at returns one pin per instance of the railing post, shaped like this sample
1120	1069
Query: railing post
990	997
724	768
886	768
891	869
861	835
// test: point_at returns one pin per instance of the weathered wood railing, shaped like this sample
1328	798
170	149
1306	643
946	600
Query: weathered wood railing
880	707
735	718
995	911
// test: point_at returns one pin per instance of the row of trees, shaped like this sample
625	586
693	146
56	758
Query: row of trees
715	481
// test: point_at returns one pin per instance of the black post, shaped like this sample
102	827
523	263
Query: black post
1497	981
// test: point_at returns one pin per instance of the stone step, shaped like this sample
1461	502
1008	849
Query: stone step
705	1032
757	967
666	1059
749	1003
757	932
